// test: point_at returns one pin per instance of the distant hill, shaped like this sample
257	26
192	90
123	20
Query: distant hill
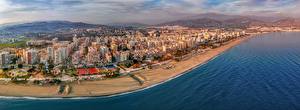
208	23
215	16
203	22
223	17
220	20
128	25
45	26
245	21
288	22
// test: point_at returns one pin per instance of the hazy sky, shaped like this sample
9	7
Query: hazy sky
144	11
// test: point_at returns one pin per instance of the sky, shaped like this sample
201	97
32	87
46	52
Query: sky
137	11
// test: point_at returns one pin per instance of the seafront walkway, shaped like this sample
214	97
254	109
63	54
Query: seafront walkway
138	77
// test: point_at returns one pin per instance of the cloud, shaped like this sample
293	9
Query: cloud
145	11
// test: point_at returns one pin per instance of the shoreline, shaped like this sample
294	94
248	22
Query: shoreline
122	85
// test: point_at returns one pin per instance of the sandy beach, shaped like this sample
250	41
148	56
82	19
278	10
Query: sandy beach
118	85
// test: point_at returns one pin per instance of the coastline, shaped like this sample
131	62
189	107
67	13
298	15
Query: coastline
121	85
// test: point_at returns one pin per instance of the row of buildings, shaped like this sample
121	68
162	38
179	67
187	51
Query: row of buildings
103	50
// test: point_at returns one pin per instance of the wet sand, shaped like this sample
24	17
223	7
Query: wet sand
118	85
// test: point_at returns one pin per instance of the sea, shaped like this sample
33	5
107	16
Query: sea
262	73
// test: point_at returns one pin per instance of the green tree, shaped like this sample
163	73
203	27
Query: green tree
20	65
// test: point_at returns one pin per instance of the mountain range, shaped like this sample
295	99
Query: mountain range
221	20
209	20
134	25
45	26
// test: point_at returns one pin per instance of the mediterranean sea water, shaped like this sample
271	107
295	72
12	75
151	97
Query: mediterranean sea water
262	73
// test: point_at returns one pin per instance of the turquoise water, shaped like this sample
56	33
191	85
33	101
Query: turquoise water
262	73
